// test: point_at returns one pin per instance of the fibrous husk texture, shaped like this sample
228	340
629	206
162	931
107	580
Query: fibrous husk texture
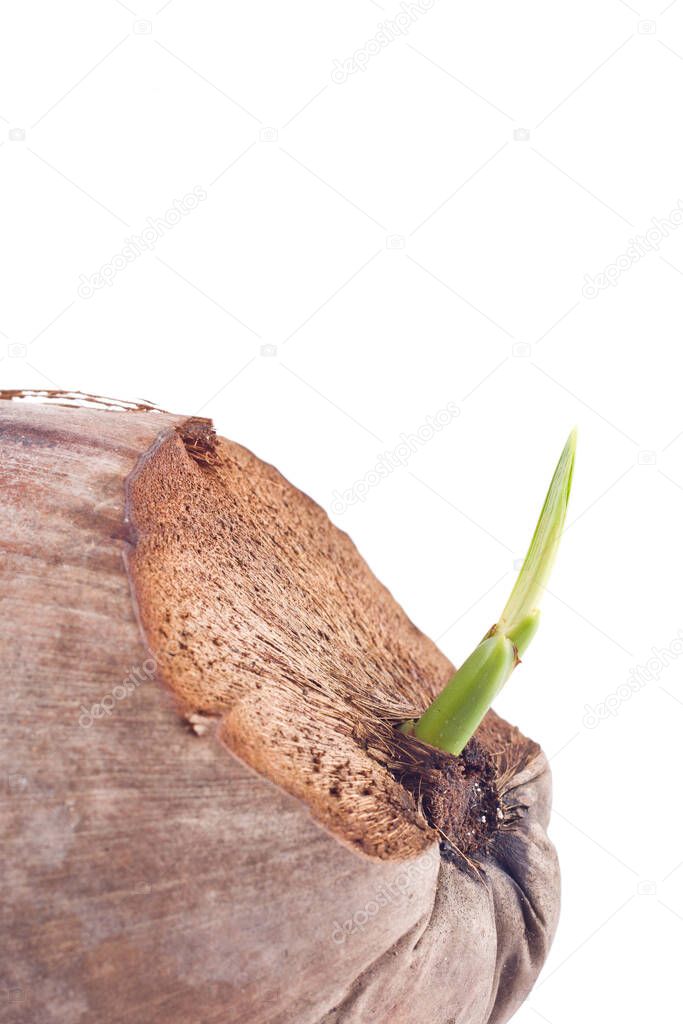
261	611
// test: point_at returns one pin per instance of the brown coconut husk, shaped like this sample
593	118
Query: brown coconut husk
242	835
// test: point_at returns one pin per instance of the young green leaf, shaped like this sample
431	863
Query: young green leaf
450	721
537	565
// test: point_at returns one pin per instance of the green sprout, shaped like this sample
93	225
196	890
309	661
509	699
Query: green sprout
454	716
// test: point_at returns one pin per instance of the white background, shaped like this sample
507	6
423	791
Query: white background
402	243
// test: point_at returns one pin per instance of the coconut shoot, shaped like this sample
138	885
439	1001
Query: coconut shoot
452	719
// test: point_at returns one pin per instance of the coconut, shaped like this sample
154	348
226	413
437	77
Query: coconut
210	815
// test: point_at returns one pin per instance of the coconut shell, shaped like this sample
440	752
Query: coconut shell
208	813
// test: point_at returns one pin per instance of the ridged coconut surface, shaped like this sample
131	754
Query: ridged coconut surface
208	815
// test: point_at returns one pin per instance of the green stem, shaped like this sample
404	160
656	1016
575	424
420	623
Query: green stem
452	719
